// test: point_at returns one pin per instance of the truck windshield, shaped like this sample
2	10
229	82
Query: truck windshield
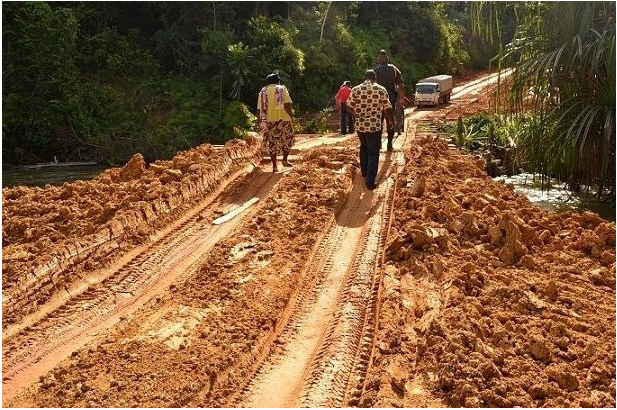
425	88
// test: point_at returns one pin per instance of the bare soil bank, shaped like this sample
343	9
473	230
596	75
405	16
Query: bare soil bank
488	300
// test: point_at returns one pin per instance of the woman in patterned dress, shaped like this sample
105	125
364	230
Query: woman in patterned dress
275	119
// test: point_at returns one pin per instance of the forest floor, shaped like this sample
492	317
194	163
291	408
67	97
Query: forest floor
209	281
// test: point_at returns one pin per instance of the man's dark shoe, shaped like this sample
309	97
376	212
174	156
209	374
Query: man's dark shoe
390	148
370	186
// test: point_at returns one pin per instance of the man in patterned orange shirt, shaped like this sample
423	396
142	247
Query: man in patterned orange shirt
367	102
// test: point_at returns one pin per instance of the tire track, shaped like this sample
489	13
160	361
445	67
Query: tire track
344	354
39	347
322	356
297	355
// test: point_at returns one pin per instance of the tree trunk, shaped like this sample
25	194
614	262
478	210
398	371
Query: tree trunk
323	23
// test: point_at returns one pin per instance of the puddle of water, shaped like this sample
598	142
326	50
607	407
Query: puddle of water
49	175
557	199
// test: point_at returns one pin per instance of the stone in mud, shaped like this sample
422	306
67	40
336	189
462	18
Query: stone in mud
561	373
134	168
608	257
420	238
551	290
507	254
437	268
520	249
418	269
511	228
538	349
528	262
398	385
157	168
470	223
479	204
456	226
544	235
396	243
418	187
602	277
171	175
495	234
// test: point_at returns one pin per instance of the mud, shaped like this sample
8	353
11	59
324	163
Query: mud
489	301
51	236
191	345
484	299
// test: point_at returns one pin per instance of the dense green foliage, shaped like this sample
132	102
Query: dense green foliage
102	80
563	91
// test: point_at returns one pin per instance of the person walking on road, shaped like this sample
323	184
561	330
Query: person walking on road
399	115
368	102
275	116
390	77
340	100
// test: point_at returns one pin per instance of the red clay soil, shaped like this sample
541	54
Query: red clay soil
50	235
193	344
488	300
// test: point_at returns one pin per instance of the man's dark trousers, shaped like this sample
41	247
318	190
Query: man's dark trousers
346	120
370	145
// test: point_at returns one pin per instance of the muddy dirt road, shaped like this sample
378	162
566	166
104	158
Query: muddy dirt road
267	290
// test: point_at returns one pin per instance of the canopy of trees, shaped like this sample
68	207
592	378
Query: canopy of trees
102	80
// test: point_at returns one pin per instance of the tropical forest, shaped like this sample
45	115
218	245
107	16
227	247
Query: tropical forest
308	204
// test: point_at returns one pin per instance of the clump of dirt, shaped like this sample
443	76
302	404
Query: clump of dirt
47	232
488	300
194	345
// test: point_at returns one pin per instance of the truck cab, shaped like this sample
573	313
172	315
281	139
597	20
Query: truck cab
427	93
433	90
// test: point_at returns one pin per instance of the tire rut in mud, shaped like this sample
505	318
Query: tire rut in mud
196	338
335	311
179	253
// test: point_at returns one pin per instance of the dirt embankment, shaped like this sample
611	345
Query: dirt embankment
196	343
50	235
488	300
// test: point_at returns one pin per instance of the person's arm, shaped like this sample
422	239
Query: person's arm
289	110
400	86
258	108
287	103
337	100
351	102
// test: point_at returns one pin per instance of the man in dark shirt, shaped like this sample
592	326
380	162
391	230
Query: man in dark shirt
390	77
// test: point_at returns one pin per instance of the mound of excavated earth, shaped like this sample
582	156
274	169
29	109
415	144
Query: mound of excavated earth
50	234
195	343
489	301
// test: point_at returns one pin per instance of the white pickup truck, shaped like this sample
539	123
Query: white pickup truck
433	90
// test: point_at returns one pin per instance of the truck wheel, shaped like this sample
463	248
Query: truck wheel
448	97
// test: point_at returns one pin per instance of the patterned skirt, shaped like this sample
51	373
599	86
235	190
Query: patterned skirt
278	137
